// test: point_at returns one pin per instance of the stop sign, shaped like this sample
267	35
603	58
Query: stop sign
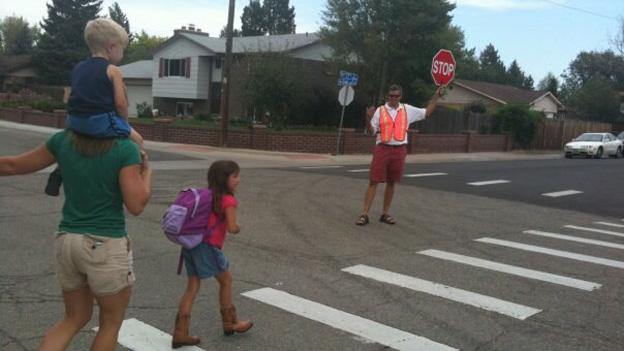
443	67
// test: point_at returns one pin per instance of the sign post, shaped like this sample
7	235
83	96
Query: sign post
443	67
345	96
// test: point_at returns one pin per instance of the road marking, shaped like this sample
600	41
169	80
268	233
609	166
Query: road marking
319	167
558	253
448	292
575	238
608	232
562	193
490	182
418	175
377	332
358	170
138	336
513	270
611	224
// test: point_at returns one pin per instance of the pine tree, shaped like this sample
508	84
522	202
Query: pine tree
280	19
492	67
253	19
116	14
61	45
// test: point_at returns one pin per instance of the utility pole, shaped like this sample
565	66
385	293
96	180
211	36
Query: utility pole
225	80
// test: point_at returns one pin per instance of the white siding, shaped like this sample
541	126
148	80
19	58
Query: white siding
138	93
461	96
203	77
180	87
546	105
315	52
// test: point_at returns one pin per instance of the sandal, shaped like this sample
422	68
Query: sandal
363	220
386	218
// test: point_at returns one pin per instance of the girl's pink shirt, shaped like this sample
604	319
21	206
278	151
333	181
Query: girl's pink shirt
217	238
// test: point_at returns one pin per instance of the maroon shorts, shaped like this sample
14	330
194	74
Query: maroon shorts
388	163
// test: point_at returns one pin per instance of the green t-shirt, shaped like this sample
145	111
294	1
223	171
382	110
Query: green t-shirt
93	199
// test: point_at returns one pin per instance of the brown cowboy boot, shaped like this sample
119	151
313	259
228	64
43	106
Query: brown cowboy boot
231	324
181	335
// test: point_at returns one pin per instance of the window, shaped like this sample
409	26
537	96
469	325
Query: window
218	63
174	67
184	109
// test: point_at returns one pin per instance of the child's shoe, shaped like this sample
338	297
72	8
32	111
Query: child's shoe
231	324
181	335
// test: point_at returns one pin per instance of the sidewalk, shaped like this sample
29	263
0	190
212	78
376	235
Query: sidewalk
258	158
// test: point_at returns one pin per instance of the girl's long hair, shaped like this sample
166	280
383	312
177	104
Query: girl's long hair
218	175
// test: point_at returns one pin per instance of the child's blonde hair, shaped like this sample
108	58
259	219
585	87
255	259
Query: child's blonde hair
102	32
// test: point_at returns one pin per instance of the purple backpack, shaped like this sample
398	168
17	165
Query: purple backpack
186	221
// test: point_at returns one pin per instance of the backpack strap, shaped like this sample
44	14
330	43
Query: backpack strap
196	193
180	263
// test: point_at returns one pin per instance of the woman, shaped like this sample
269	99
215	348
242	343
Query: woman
93	253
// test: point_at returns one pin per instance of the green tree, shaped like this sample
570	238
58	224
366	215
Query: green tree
61	45
389	41
116	14
276	83
618	41
142	47
17	35
491	66
589	65
549	83
235	32
596	100
253	19
279	17
468	64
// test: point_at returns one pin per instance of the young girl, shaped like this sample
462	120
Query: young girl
207	259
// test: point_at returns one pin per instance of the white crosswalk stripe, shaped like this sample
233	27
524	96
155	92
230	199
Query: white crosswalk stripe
552	252
513	270
458	295
363	170
562	193
374	331
611	224
420	175
489	182
595	230
575	238
319	167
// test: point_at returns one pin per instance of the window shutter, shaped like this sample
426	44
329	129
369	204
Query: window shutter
188	67
161	68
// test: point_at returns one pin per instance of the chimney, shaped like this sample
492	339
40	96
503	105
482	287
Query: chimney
199	30
183	27
191	27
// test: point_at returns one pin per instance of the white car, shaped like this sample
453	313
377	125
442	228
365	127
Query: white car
594	145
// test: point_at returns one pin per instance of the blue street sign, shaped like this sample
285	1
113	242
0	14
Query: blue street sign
347	79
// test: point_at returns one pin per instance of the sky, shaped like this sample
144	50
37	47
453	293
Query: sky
542	35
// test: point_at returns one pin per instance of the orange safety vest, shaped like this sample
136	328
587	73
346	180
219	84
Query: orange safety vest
389	128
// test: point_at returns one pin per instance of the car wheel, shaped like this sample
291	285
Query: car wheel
568	156
618	153
599	153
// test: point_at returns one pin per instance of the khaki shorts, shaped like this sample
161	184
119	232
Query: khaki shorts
103	263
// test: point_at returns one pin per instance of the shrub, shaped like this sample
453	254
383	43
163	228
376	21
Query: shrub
144	110
520	121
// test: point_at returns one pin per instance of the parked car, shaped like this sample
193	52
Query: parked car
594	145
621	136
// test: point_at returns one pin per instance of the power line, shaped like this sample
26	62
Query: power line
580	10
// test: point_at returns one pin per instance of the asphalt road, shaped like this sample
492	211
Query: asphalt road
298	238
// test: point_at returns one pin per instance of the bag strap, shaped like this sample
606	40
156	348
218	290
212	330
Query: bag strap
196	193
180	263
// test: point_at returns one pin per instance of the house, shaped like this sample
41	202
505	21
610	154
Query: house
16	71
187	69
465	92
138	78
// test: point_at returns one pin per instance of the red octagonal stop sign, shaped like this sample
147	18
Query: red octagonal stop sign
443	67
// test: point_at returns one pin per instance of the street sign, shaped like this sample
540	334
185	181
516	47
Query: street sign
443	67
347	79
345	95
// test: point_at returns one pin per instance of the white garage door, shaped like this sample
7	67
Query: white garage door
138	94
